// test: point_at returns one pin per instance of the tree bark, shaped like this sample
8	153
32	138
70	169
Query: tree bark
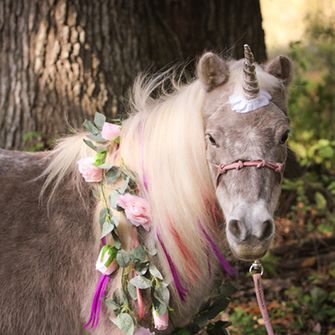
62	60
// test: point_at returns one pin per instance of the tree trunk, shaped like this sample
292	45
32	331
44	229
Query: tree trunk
62	60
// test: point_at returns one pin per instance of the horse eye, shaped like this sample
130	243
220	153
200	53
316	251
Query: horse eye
211	139
284	137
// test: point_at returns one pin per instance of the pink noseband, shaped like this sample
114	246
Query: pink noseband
238	165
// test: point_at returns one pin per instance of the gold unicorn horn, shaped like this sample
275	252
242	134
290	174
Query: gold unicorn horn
250	83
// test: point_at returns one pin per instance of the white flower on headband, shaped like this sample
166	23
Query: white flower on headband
240	104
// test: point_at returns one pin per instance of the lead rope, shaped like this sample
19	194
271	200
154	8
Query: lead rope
256	269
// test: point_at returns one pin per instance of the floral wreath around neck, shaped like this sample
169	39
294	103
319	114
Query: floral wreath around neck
139	274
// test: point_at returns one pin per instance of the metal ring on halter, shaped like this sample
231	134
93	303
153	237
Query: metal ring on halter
256	267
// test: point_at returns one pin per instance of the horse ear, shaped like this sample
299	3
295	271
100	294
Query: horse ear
212	70
280	67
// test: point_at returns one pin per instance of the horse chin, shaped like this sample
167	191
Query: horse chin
248	253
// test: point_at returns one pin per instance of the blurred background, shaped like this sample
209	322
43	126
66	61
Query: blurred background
63	60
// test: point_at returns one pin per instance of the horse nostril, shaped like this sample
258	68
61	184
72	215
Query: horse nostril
237	229
268	229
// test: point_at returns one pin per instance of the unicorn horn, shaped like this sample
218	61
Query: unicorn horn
250	83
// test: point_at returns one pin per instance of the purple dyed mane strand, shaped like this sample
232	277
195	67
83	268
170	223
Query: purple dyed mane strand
224	263
97	300
182	292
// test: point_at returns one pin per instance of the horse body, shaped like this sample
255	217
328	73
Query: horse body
49	245
43	278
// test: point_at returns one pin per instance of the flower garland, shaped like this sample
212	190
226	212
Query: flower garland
138	273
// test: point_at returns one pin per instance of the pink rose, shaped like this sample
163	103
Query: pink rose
143	331
89	171
161	321
136	209
110	131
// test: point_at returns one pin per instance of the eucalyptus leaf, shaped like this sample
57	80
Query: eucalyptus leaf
90	144
102	216
89	126
99	120
162	294
142	267
113	174
140	282
132	291
97	137
113	305
160	306
124	187
105	166
155	272
122	258
113	198
107	227
117	242
119	297
139	254
125	322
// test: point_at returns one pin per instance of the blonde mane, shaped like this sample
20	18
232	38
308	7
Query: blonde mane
163	142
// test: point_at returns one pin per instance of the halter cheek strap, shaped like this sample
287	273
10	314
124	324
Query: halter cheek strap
238	165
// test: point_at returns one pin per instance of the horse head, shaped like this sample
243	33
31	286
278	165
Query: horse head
246	128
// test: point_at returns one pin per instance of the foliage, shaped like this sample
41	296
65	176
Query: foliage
312	115
33	141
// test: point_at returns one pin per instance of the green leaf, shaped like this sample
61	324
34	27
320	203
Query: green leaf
89	126
99	120
155	272
96	138
122	258
119	297
90	144
113	174
217	307
132	291
102	216
124	187
117	242
326	152
160	306
100	158
125	322
113	198
321	202
140	282
105	166
113	305
139	254
142	267
162	294
107	227
218	327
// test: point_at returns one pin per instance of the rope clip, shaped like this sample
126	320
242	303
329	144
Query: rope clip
256	267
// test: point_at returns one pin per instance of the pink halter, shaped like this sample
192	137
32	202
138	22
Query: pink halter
238	165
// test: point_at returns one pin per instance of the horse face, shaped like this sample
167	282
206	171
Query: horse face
247	196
